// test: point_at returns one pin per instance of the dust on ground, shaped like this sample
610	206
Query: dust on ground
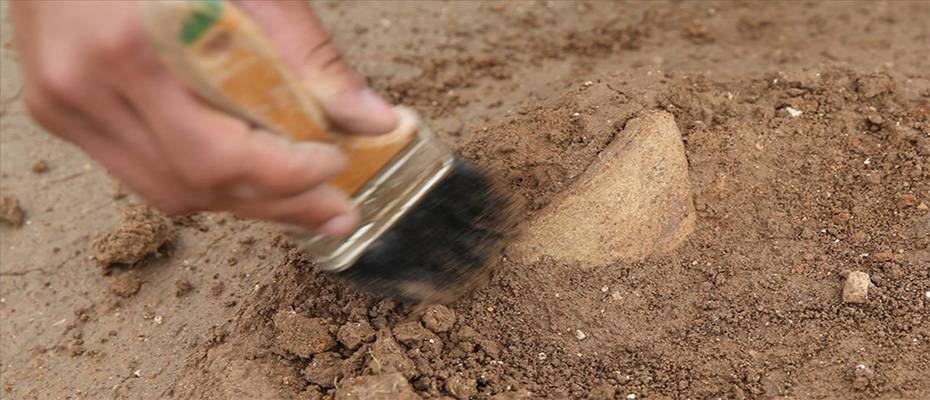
807	132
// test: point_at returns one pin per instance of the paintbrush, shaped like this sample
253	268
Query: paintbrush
432	225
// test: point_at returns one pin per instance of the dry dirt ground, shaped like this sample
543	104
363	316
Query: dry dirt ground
749	306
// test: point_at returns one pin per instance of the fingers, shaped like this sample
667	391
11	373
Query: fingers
308	49
322	208
251	173
218	152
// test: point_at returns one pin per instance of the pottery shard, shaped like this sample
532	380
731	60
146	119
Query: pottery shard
635	200
376	387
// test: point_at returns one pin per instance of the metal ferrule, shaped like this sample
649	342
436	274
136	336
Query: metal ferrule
386	198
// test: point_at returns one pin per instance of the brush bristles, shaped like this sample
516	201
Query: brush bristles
443	246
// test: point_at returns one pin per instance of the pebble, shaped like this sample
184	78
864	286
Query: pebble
580	335
856	289
40	166
906	200
793	112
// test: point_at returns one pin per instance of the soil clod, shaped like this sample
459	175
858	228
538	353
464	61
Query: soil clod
438	318
143	232
303	336
391	386
183	287
324	370
353	334
10	212
125	284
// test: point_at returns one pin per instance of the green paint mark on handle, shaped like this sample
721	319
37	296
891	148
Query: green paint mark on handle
207	12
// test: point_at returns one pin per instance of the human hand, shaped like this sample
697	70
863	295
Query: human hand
92	78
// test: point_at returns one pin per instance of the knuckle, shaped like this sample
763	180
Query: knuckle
127	45
208	177
59	84
216	169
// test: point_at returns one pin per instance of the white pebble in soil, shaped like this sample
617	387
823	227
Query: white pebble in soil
580	335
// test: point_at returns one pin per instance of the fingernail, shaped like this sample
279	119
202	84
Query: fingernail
340	225
375	116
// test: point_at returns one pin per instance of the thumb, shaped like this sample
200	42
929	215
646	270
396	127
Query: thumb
306	47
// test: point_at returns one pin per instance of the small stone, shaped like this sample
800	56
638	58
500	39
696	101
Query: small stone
856	289
631	396
862	375
302	336
352	334
922	207
10	212
76	347
793	112
875	119
461	388
324	370
883	256
907	200
376	387
438	318
124	285
40	166
580	335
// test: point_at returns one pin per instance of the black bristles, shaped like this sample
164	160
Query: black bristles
442	246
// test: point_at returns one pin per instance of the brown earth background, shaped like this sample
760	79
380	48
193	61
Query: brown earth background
748	307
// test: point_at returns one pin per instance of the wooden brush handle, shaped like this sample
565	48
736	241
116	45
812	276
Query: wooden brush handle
224	56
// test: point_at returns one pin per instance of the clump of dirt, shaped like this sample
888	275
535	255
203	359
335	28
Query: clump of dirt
303	336
143	232
183	287
125	284
380	387
10	212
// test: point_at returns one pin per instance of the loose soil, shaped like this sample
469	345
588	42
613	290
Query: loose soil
807	133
